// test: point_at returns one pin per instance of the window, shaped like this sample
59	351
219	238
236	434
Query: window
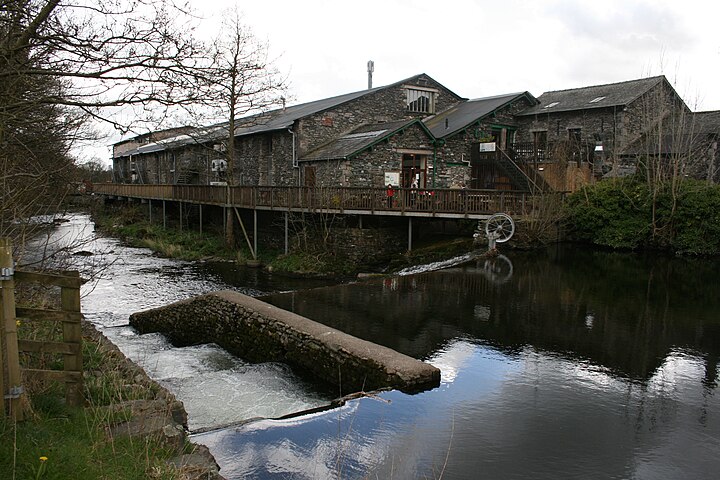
550	105
575	135
421	101
540	139
596	99
540	145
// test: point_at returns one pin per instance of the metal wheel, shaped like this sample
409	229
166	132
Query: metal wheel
500	226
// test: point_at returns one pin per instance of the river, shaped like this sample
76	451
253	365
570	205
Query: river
560	363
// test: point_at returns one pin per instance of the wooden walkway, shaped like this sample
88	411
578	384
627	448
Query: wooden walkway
442	203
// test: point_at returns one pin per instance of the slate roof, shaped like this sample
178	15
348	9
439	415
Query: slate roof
703	127
273	120
597	96
707	122
458	117
358	140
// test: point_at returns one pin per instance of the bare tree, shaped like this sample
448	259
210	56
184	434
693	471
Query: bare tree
239	81
63	64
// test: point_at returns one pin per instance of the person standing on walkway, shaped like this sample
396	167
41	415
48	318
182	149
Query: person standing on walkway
390	194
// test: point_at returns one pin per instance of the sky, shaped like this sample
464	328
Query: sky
479	48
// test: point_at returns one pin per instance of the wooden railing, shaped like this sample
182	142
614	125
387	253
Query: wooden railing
440	201
532	153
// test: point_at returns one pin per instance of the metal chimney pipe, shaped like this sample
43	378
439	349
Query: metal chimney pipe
371	69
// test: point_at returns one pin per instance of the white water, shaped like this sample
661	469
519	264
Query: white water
430	267
216	387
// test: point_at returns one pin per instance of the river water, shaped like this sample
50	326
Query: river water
561	363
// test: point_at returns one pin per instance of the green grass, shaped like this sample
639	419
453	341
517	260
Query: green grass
76	442
76	446
134	229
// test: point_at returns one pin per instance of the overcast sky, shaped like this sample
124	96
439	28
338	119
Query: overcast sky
480	48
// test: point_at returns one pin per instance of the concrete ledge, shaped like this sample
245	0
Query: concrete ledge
260	332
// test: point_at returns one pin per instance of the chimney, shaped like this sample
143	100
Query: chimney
371	69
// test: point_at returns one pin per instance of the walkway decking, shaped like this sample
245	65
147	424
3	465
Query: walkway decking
442	203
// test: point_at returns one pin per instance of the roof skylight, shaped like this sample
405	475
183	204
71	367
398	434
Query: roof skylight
596	99
550	105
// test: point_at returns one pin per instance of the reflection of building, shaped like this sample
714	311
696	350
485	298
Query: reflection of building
554	305
417	129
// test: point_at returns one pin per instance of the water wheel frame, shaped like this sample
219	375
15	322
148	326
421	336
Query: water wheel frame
500	226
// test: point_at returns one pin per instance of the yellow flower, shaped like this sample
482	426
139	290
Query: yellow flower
43	459
18	322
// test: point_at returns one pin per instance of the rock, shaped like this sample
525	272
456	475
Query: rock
197	465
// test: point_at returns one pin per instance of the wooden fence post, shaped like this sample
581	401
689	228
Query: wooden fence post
13	391
72	334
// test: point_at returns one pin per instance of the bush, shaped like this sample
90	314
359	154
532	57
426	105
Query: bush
614	213
696	220
618	213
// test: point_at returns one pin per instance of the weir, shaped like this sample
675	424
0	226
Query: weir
259	332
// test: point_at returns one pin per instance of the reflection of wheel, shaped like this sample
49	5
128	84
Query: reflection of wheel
498	269
500	226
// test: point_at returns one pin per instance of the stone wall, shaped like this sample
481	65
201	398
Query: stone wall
260	332
607	124
368	168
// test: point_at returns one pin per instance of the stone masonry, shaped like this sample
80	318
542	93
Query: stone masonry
260	332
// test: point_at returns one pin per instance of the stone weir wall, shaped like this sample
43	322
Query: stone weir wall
260	332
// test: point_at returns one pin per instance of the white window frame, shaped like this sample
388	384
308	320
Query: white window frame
414	94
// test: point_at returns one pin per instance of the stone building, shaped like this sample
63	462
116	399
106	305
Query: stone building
269	146
416	131
595	126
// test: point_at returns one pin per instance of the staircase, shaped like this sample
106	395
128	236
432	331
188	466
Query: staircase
533	182
184	176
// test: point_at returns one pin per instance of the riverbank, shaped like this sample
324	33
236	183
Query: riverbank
133	227
130	428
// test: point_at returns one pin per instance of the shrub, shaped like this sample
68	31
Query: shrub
614	213
619	213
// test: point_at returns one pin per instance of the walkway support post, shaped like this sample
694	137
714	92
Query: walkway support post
150	210
242	225
164	216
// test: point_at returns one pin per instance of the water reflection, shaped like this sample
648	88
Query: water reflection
624	313
579	365
530	415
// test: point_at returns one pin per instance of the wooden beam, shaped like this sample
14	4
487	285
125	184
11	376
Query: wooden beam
49	347
48	314
72	333
53	375
247	239
8	334
49	279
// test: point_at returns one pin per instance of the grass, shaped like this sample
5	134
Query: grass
311	263
133	228
130	224
57	441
